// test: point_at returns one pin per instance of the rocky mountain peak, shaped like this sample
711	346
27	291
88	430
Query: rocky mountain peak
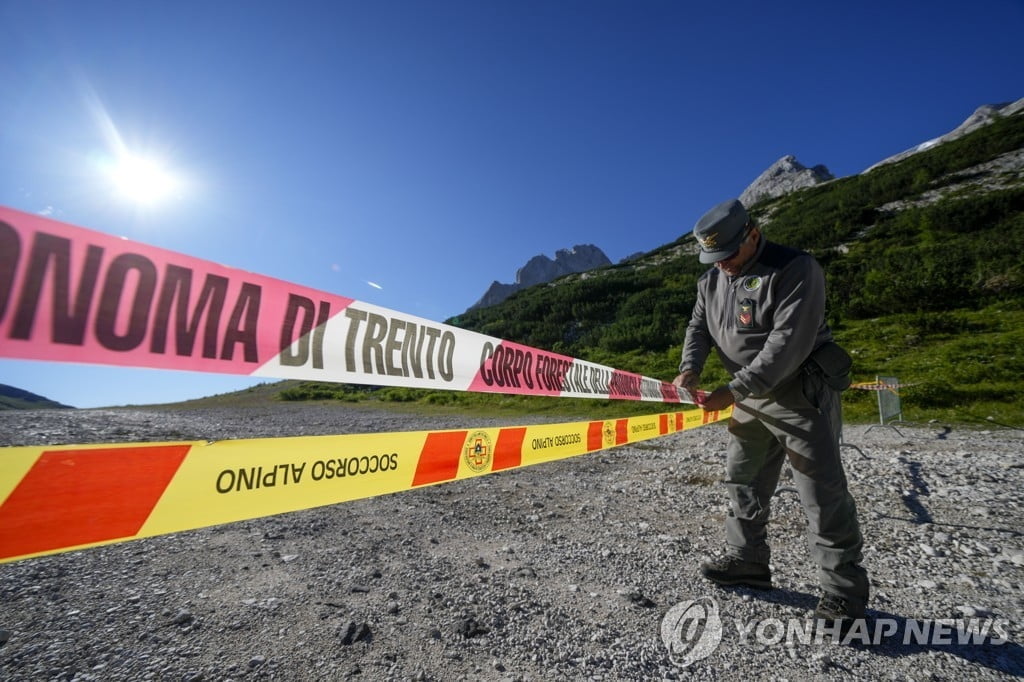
579	258
541	269
782	177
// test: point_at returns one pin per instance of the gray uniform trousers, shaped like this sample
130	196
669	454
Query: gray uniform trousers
802	419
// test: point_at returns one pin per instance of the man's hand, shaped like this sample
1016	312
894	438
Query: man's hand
688	380
719	399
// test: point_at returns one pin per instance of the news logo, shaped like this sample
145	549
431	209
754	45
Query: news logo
691	630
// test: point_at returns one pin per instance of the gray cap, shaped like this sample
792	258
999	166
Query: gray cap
720	231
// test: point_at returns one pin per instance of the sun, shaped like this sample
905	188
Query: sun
143	180
132	173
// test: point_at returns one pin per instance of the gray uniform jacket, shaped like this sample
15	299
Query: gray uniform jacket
763	322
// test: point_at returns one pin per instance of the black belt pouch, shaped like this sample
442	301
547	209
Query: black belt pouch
832	363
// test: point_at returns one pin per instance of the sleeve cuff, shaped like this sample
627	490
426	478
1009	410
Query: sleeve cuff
737	393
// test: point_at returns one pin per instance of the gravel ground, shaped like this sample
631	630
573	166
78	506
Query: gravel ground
557	571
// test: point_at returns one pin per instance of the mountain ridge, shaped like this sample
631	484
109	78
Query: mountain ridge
540	269
784	176
14	398
982	116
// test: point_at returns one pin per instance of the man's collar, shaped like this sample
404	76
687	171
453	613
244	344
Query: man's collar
761	242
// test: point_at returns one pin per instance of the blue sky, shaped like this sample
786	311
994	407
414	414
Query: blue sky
408	153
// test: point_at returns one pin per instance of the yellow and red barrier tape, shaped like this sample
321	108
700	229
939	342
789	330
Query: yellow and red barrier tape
878	386
61	498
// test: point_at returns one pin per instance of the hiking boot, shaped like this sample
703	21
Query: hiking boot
832	607
838	615
732	570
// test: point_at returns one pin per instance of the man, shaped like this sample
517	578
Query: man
762	306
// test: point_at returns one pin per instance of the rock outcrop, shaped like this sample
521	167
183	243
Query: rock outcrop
541	269
782	177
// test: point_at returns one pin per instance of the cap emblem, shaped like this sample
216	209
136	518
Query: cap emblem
708	242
